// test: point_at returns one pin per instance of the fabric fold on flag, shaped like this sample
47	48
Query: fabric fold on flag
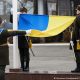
44	25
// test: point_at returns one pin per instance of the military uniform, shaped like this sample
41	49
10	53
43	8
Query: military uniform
24	52
4	49
75	37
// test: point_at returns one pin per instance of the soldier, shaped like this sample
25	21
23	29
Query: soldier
75	37
4	48
24	48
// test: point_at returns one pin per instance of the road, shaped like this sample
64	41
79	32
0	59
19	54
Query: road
49	57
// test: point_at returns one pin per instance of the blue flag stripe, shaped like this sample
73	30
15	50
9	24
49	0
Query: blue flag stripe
36	22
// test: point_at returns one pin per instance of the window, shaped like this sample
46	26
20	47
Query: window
51	8
8	6
1	8
29	6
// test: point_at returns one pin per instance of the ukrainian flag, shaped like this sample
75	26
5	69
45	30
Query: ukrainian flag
44	25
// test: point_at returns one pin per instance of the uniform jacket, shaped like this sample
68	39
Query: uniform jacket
23	42
4	49
76	31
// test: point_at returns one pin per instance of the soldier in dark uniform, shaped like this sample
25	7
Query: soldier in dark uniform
4	49
24	52
75	37
24	48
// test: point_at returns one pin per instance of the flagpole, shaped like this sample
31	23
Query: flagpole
15	41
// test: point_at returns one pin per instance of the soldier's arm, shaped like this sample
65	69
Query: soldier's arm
8	33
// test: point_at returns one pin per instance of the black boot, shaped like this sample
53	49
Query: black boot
26	68
76	70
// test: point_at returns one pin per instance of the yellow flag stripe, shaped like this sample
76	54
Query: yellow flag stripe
56	25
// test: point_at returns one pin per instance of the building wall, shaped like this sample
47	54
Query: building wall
64	7
5	6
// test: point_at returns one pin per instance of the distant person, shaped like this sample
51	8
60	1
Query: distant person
11	15
4	48
24	48
75	37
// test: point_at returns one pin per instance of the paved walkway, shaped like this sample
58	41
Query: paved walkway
49	57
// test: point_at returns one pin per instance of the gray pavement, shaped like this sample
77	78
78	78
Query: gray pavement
49	57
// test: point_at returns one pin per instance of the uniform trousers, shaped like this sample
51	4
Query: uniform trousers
2	72
24	57
77	56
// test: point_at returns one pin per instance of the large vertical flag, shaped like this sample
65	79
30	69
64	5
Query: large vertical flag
44	25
